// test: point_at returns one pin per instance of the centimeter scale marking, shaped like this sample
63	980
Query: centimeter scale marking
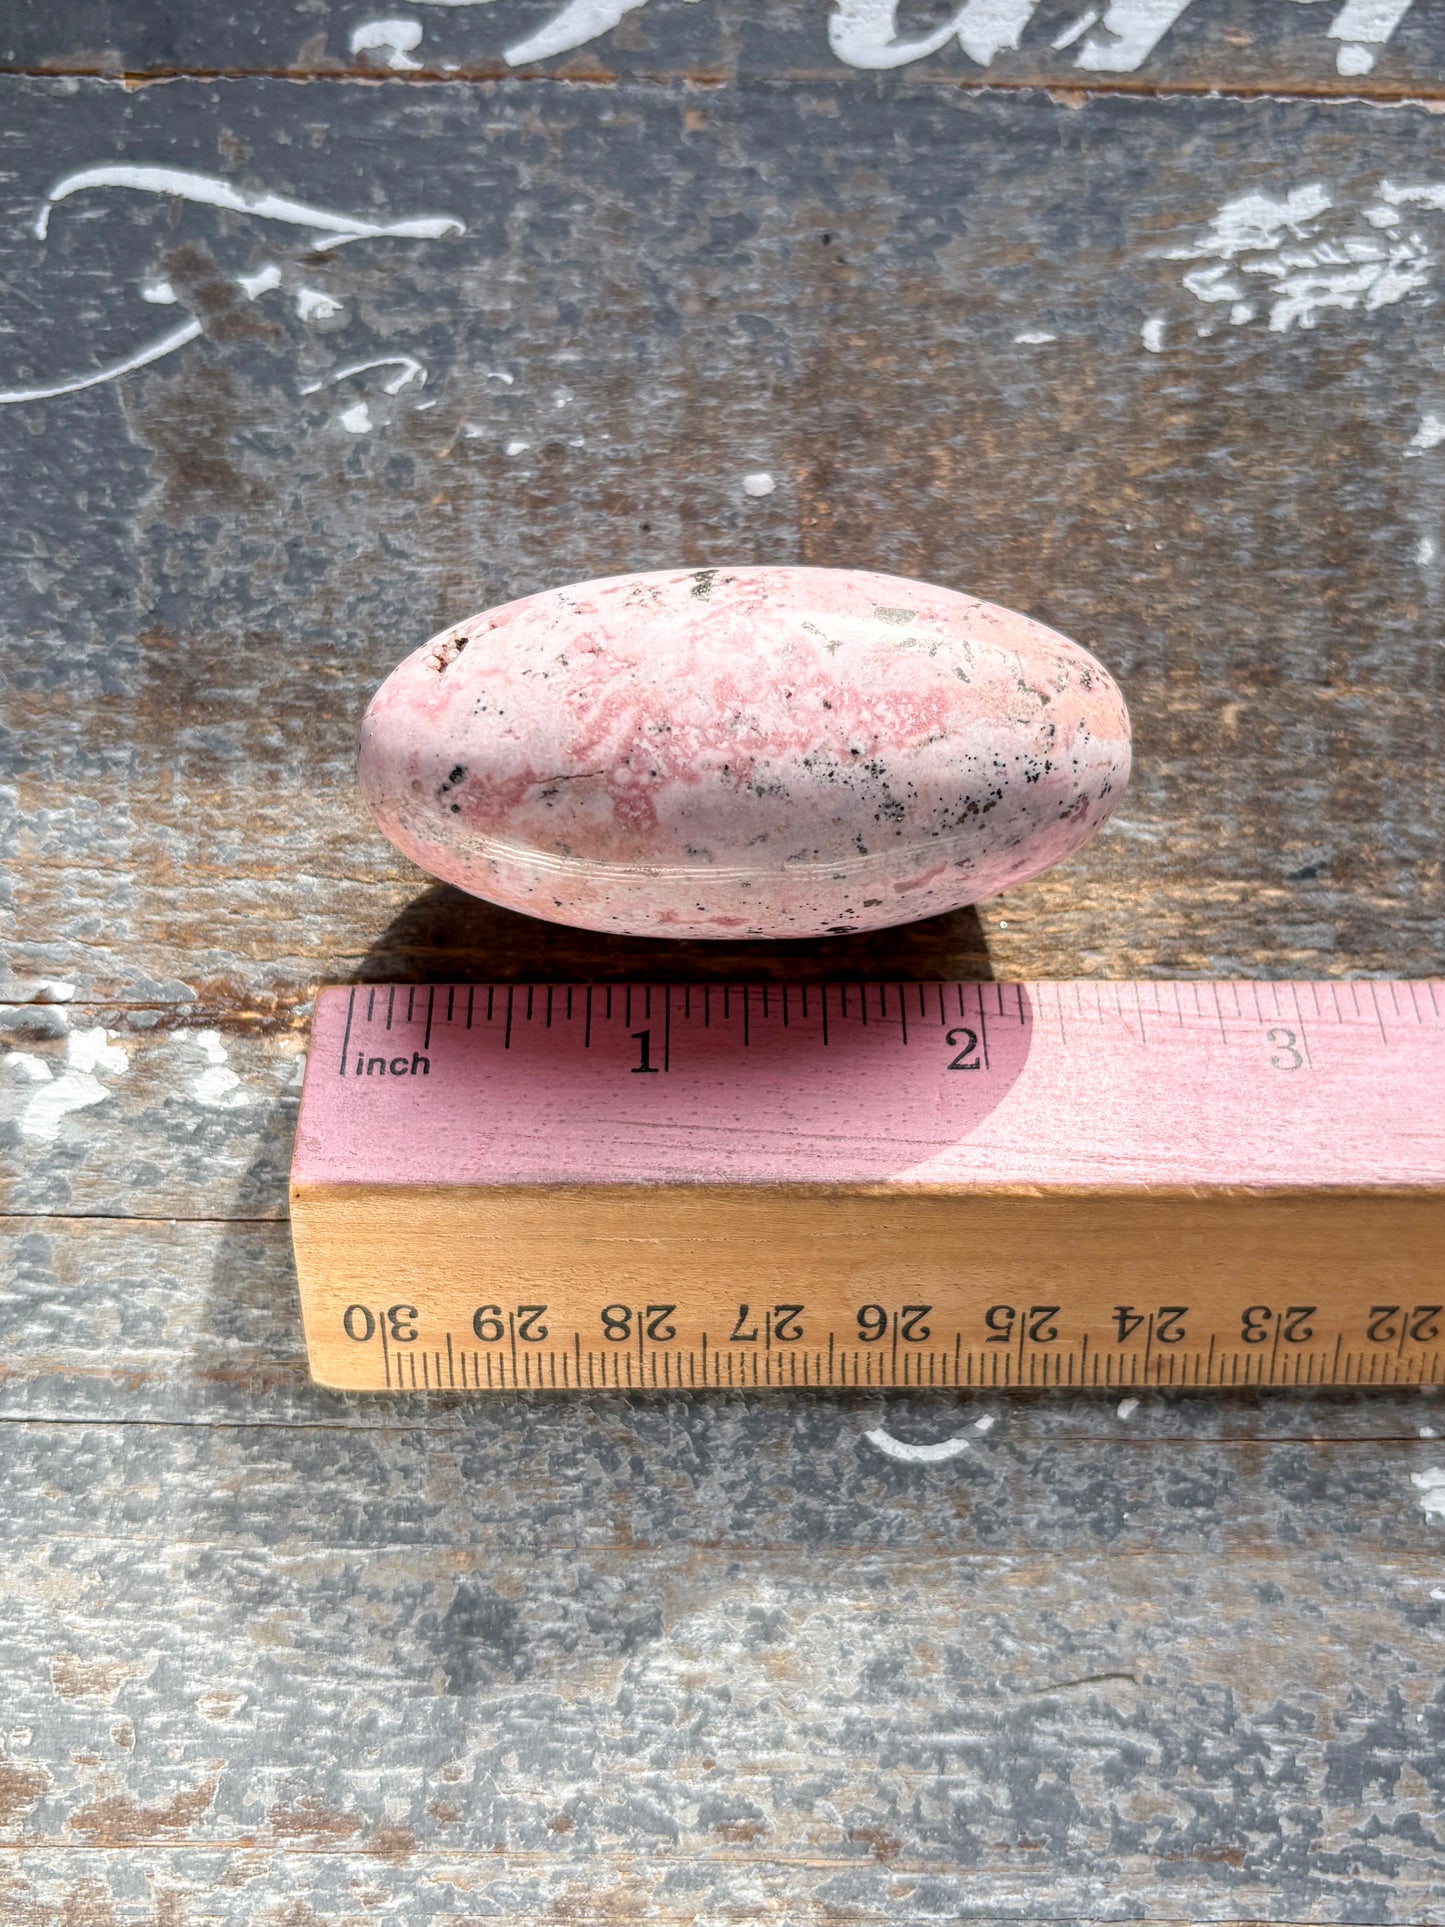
533	1186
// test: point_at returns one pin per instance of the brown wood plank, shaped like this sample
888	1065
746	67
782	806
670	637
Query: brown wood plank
1345	49
1235	502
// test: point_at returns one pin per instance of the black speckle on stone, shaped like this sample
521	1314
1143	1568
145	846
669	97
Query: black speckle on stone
702	582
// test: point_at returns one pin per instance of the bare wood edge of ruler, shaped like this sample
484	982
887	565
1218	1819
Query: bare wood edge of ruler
1014	1186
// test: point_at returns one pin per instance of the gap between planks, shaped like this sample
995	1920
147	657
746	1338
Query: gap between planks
1063	93
455	1403
125	1217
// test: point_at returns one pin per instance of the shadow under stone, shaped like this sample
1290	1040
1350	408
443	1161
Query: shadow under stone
445	936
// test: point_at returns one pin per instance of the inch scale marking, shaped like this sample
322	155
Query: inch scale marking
530	1186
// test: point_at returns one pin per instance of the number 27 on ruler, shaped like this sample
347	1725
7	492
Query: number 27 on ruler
900	1184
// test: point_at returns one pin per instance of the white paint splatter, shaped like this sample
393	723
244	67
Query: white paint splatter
411	370
577	23
218	1086
1427	1432
265	278
72	384
986	28
1429	434
1365	26
87	1051
394	39
1303	272
211	190
160	294
94	1049
759	483
1127	1407
52	990
986	1423
1425	551
906	1454
314	305
356	420
1134	29
500	374
1152	334
1034	340
864	33
34	1069
516	448
1430	1484
1429	194
1070	34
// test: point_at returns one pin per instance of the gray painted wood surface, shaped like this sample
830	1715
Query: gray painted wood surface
274	1655
1382	49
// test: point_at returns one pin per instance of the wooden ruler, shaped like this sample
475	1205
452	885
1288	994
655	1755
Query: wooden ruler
501	1186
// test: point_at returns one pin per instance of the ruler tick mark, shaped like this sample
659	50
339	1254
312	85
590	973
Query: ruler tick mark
346	1034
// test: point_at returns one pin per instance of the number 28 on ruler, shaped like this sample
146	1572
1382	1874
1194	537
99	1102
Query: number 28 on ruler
646	1344
884	1184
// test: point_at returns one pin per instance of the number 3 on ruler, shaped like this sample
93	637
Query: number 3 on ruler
1287	1056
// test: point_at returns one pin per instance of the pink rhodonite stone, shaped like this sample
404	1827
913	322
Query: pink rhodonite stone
743	752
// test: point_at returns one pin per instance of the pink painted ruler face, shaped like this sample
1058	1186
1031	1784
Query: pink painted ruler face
1057	1085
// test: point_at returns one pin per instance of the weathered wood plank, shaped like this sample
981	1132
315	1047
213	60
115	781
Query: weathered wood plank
1348	49
725	1734
605	1474
275	1655
197	1324
662	292
106	1111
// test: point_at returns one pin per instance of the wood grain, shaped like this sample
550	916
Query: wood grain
1235	524
1210	44
114	1319
278	1656
883	1737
